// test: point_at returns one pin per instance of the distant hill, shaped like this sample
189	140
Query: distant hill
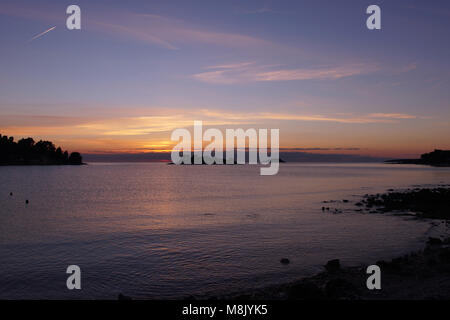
28	152
438	158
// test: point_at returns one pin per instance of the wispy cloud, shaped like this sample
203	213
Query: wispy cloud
232	65
392	116
174	118
264	9
267	116
139	34
327	73
170	33
251	72
322	149
152	131
407	68
161	31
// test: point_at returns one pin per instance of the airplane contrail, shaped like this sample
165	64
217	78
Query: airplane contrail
42	33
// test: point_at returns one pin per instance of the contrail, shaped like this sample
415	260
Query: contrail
42	33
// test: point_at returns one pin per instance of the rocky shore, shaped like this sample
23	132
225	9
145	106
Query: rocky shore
421	275
432	203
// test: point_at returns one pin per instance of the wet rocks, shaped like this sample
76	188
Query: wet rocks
434	241
123	297
340	289
305	291
425	202
333	265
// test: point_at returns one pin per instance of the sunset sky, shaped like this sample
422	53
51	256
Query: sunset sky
139	69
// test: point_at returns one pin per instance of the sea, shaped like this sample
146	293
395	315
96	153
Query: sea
158	231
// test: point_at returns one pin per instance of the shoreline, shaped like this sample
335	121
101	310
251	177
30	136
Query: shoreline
419	275
416	275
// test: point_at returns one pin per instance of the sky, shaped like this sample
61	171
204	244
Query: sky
137	70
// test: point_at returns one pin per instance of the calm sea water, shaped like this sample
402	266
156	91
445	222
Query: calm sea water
159	231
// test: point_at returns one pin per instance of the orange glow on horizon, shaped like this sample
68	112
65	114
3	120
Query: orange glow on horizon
377	134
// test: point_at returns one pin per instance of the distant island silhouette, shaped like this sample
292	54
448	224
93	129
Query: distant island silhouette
28	152
437	158
224	161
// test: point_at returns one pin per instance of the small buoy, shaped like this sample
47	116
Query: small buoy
26	201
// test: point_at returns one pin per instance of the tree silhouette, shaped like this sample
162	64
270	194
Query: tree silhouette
26	151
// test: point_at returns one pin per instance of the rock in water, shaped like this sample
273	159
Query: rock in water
434	241
285	261
123	297
333	265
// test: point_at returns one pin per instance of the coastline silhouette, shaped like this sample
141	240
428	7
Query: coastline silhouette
28	152
437	158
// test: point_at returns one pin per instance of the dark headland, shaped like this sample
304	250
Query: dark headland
28	152
437	158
